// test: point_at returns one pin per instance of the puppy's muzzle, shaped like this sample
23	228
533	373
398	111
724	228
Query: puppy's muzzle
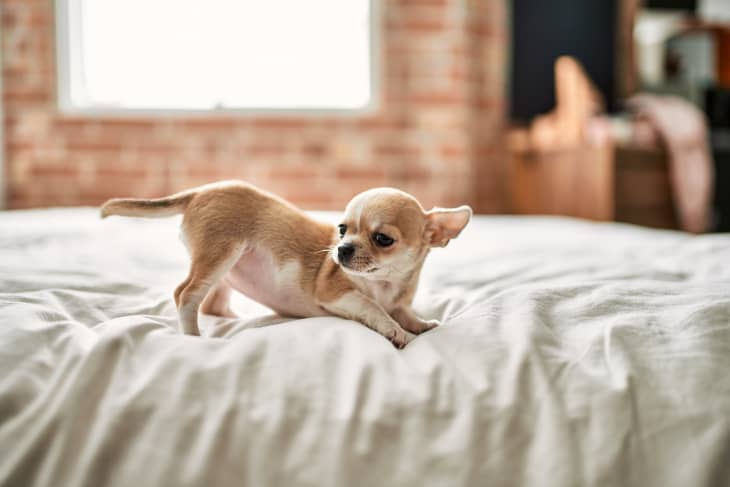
345	252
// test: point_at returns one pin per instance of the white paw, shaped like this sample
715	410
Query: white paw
430	325
400	337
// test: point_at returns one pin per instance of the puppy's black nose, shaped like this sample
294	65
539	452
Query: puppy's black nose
345	251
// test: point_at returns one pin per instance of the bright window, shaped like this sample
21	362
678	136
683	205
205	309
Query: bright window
215	54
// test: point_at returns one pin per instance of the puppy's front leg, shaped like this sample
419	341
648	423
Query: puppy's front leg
411	322
357	306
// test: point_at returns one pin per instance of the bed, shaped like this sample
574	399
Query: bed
570	354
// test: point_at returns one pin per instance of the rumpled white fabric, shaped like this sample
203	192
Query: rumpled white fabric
570	354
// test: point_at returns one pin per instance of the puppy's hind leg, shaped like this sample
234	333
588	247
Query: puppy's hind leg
217	301
206	272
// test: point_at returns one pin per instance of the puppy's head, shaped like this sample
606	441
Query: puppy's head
386	232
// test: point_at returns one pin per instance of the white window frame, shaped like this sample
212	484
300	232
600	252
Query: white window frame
66	107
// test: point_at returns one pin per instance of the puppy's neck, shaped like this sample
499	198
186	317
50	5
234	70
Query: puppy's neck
393	290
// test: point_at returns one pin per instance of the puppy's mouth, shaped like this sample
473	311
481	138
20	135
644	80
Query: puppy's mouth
350	268
356	265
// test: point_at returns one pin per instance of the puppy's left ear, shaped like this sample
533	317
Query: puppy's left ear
443	224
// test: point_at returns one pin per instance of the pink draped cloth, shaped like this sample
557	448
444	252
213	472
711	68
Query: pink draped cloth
683	129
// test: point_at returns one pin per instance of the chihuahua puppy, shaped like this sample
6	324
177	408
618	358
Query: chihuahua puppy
365	269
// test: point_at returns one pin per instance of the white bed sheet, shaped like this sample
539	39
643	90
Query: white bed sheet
570	353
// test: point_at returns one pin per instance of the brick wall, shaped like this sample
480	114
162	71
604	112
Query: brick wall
437	133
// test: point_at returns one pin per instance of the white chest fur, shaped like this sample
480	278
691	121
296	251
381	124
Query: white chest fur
383	292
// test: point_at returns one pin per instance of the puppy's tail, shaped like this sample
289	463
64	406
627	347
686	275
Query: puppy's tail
154	208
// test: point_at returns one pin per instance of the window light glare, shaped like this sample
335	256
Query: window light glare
219	54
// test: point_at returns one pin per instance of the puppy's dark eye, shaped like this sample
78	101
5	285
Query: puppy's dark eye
343	229
382	239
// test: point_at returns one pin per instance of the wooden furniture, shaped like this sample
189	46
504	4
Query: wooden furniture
568	163
599	182
642	188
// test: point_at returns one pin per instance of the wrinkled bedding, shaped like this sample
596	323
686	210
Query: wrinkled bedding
570	353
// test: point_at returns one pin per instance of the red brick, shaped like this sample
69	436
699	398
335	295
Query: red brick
261	149
396	150
17	144
110	123
277	122
425	25
39	19
437	3
366	172
286	171
439	98
25	96
114	171
454	152
93	145
382	123
44	169
315	150
211	173
154	145
414	172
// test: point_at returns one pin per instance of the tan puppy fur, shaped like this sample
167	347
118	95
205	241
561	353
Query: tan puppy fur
240	237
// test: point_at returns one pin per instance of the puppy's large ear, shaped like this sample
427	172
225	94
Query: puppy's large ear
443	224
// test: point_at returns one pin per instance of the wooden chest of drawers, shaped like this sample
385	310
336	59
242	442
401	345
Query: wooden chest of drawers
626	184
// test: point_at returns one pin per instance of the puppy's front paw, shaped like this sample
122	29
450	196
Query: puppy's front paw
400	337
430	325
